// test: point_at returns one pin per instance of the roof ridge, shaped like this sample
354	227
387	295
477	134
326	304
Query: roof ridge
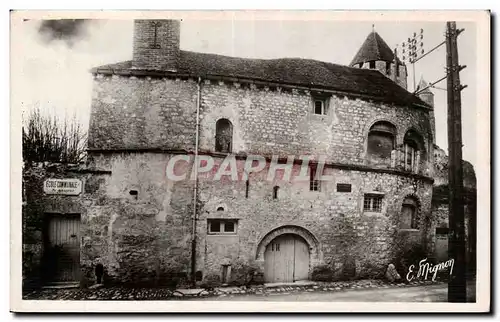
279	58
377	45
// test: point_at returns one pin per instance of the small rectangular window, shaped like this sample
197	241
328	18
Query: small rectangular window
320	106
229	227
343	187
372	203
314	184
372	64
214	226
222	226
388	68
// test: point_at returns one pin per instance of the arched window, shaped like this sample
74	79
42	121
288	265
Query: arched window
223	136
409	214
413	150
381	141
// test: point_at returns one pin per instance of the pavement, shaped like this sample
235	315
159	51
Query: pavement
426	293
359	290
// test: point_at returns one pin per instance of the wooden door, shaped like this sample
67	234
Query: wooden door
64	247
301	270
286	259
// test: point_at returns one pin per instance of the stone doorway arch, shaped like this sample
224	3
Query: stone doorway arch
289	230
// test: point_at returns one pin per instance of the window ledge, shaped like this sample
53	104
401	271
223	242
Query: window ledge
409	229
373	213
223	234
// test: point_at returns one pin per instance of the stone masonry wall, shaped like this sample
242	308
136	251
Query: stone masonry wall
140	113
440	206
132	113
38	206
143	238
147	236
269	123
139	239
336	219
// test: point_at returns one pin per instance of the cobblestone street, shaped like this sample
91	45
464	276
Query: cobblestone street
297	291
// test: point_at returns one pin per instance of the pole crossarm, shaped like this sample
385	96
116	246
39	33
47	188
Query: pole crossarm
431	85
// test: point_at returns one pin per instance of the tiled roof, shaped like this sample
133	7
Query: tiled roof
374	48
289	71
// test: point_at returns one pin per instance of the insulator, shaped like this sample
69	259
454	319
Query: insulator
421	30
409	40
403	44
421	36
403	51
421	44
404	58
414	34
422	51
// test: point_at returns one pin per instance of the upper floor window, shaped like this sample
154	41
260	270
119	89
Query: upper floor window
372	203
223	136
388	68
408	219
381	140
372	64
413	150
320	106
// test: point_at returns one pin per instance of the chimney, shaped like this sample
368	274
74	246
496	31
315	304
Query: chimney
156	44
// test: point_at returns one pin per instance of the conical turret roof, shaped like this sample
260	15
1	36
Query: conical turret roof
374	48
423	84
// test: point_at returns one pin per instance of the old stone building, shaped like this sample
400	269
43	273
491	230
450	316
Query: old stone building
376	138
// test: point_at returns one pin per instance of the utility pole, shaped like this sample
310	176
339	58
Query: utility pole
456	246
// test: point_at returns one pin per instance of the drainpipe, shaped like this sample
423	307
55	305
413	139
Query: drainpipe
195	193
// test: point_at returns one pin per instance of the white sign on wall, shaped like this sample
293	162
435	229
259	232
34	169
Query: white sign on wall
72	187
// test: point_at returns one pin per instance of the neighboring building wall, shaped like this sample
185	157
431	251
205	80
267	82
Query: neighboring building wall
440	206
139	239
37	207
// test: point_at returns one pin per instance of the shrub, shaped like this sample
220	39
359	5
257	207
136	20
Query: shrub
245	274
323	273
211	281
405	257
46	138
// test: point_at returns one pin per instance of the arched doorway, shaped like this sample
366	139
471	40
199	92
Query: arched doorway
286	259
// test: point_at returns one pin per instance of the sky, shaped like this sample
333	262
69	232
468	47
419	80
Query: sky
55	63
